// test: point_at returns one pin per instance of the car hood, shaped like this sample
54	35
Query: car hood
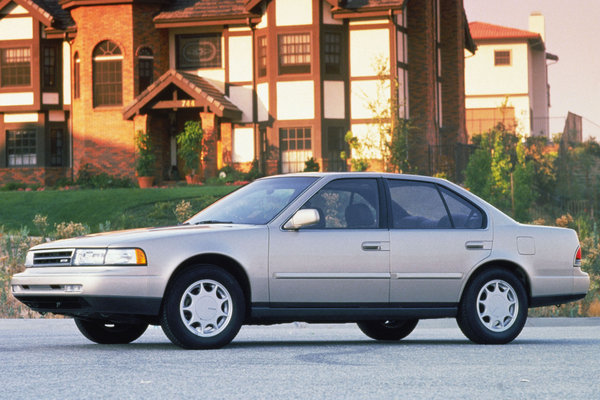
134	236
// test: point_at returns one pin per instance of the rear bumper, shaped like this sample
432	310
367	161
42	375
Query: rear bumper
541	301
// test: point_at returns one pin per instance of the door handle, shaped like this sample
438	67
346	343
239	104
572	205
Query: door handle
375	246
478	245
371	246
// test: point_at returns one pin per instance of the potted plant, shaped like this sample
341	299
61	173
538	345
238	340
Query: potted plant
144	163
190	147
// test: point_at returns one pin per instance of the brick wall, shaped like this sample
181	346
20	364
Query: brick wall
101	137
421	81
33	176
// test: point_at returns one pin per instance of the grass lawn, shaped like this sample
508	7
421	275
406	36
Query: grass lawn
124	208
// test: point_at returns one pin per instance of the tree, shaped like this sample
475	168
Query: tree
501	172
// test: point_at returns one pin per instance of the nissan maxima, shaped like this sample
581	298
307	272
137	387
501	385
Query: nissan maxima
381	250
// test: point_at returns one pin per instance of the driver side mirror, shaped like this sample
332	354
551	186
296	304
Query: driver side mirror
302	218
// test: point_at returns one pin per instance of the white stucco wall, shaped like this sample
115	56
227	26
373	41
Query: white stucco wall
293	12
483	78
241	96
16	99
262	94
66	57
333	98
364	94
240	58
21	117
295	100
366	48
16	28
243	145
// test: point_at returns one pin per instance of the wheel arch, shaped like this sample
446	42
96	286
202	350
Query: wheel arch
511	266
227	263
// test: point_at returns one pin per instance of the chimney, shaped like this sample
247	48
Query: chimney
537	24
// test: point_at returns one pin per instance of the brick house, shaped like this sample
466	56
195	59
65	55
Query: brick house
275	81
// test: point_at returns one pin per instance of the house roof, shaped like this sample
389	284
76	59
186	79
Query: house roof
204	10
198	88
49	12
482	30
216	10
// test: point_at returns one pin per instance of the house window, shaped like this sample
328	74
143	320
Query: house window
295	147
49	67
107	77
336	144
333	52
15	67
21	147
262	56
76	79
199	51
145	68
502	57
294	53
57	145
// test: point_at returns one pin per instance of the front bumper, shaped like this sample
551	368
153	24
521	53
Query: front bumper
87	291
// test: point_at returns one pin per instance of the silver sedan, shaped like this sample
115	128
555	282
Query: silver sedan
381	250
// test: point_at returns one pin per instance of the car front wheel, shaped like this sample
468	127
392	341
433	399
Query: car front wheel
103	332
203	308
494	308
388	330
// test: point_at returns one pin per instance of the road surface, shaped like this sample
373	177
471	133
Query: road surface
551	359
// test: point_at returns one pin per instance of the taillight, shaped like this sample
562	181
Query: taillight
578	258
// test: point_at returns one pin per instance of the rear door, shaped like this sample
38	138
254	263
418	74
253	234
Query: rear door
436	238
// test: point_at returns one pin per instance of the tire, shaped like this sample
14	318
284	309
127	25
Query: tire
103	332
204	308
493	309
388	330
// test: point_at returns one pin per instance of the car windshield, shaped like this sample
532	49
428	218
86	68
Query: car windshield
256	203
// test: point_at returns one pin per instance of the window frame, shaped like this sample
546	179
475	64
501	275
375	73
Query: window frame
262	59
498	56
50	60
293	68
381	212
328	67
438	187
107	75
19	75
188	39
34	147
145	59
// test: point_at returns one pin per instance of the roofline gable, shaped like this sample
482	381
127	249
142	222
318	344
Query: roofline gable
191	88
36	11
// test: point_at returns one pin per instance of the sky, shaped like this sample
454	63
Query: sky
573	34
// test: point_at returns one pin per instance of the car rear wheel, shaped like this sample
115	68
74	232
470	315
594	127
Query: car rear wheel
203	308
103	332
494	308
388	330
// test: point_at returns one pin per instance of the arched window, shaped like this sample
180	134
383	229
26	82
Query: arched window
76	74
108	74
145	68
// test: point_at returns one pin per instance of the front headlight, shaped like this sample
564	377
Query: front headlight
109	257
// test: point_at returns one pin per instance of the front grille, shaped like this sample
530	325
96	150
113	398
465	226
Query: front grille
50	258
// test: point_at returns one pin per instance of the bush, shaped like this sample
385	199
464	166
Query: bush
87	178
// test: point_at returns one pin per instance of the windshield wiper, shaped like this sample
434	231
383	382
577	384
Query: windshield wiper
213	221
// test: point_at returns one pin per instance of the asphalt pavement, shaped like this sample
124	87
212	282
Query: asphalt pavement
551	359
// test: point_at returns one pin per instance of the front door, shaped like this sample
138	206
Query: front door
343	258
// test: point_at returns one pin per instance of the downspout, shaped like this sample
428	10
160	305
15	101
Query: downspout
71	72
